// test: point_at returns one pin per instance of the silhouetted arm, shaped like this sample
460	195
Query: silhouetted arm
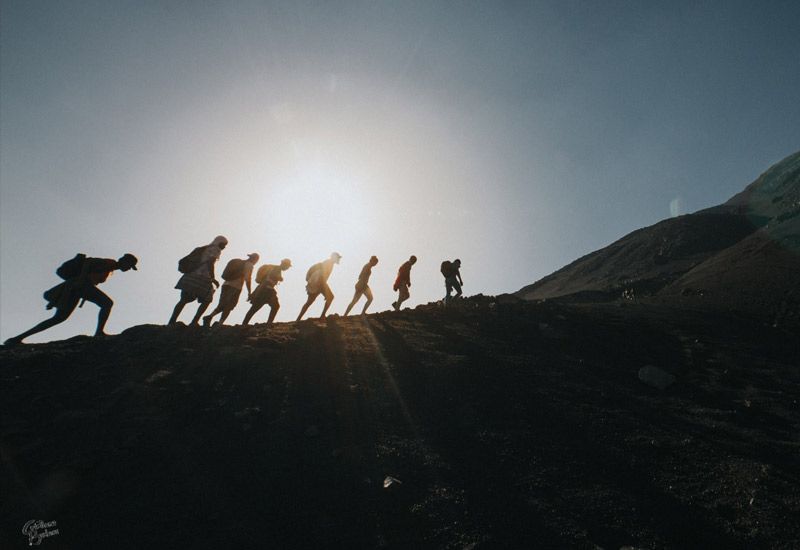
213	275
247	278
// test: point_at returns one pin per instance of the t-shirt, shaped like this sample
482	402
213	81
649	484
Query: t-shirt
247	271
208	258
404	274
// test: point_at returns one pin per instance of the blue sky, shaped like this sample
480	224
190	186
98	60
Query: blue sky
516	136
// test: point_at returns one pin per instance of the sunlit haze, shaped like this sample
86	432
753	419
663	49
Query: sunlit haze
514	137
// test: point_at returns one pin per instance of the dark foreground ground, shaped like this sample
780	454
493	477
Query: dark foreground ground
507	426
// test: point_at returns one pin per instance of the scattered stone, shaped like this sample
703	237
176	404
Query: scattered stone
388	481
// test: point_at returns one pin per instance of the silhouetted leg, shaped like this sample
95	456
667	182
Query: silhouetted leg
328	299
252	311
356	296
404	295
225	314
177	311
273	312
368	294
200	310
457	286
207	318
61	315
102	300
311	298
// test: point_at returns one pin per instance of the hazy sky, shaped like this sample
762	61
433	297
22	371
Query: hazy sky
516	136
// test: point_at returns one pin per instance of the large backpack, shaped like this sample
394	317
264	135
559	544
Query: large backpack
71	268
312	270
233	270
447	268
263	271
191	261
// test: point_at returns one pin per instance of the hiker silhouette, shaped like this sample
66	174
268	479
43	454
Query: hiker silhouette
81	276
362	286
237	273
403	282
198	280
267	277
452	279
317	283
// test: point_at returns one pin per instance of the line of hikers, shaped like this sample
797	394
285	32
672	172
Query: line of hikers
82	274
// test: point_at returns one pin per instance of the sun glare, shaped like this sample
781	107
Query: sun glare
320	206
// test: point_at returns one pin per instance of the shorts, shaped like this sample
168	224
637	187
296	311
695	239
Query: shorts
195	287
325	290
229	297
264	295
68	298
362	290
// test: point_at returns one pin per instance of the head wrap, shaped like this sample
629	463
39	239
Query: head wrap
214	250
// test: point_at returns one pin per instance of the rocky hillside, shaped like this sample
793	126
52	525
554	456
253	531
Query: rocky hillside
497	424
739	255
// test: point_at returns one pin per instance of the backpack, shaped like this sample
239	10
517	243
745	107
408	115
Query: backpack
233	270
311	271
71	268
191	261
447	268
262	272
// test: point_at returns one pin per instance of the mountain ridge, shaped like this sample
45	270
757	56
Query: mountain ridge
756	227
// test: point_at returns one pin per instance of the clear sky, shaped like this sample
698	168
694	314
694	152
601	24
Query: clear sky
516	136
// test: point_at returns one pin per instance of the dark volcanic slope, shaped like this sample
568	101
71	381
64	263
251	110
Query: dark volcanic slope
646	260
744	248
515	425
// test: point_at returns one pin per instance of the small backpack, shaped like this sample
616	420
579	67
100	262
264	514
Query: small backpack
311	271
447	268
191	261
262	272
233	270
71	268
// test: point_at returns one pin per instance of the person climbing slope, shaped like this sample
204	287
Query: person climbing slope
81	276
198	279
317	283
267	277
403	282
237	274
362	286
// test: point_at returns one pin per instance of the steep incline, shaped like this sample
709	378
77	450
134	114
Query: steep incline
513	425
